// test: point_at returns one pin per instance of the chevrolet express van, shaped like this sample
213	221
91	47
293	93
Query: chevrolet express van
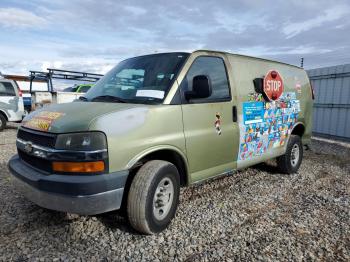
157	122
11	103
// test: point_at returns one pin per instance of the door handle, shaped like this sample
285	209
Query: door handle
234	113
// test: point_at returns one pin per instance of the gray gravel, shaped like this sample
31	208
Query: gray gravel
256	214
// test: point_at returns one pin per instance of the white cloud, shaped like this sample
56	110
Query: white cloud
93	35
287	50
329	15
240	22
52	64
135	10
15	17
91	65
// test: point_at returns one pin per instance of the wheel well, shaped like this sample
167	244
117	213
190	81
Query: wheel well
171	156
166	155
4	115
298	130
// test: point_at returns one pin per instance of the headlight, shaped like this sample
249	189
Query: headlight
88	141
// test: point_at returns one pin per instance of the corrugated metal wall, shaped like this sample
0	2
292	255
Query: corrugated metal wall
331	117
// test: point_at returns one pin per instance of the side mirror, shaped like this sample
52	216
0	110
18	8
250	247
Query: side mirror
201	87
259	85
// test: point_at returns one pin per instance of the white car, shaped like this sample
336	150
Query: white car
11	103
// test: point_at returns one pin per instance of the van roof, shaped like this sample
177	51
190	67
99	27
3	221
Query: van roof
226	53
245	56
5	80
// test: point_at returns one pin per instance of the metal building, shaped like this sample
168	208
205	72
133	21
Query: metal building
331	117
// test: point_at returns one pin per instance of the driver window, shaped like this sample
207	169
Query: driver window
214	68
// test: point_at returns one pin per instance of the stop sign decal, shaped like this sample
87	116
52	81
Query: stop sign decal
273	85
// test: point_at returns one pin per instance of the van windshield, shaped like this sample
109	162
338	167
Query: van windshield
144	79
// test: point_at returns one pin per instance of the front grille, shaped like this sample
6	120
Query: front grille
36	162
36	137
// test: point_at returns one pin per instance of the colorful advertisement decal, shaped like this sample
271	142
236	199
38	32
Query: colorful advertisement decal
266	125
255	97
253	112
42	121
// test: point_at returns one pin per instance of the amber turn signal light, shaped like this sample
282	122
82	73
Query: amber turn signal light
78	167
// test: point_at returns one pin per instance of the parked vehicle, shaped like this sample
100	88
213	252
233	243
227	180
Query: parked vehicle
41	99
82	88
71	89
158	122
11	103
27	102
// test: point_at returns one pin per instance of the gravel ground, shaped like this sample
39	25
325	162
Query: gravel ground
256	214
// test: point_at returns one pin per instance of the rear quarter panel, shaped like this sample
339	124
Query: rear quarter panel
244	70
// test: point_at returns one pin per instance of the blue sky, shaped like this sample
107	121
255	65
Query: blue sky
92	36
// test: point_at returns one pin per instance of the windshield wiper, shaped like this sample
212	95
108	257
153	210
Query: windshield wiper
108	98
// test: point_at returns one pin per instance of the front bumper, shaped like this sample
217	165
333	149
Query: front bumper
79	194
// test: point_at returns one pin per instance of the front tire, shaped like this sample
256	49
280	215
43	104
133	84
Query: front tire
153	197
290	162
2	122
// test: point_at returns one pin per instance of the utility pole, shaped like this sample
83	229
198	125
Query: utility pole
302	62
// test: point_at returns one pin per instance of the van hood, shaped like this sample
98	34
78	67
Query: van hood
72	117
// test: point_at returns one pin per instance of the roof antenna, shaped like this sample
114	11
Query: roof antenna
302	62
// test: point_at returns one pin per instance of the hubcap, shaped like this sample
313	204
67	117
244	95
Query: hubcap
294	158
163	198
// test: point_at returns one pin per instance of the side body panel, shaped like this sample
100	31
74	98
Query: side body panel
136	132
268	139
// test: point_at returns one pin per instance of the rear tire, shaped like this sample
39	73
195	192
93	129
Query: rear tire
290	162
153	197
2	122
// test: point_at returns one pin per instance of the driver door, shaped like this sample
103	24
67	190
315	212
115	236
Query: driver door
210	131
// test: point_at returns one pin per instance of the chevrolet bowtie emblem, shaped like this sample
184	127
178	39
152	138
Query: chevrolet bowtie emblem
28	147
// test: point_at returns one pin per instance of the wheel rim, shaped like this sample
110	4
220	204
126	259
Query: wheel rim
163	198
294	158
